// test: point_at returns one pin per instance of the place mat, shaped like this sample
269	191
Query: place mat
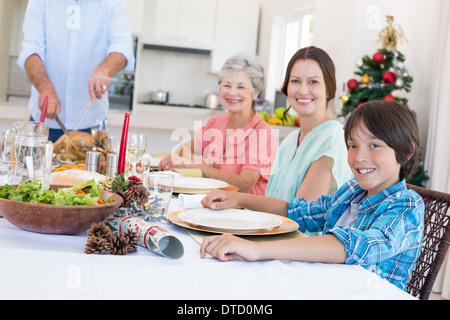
198	236
189	172
287	226
160	155
204	191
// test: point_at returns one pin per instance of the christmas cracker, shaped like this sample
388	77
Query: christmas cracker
151	237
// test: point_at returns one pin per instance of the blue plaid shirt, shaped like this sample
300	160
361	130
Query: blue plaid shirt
387	235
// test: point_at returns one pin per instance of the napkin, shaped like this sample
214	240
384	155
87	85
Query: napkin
150	236
190	201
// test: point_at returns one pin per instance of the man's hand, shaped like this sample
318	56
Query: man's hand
100	81
53	104
38	77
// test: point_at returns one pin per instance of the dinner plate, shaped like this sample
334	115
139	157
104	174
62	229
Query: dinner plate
230	219
198	183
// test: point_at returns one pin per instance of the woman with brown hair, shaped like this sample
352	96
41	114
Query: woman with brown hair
311	161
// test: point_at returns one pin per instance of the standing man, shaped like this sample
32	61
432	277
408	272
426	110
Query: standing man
71	48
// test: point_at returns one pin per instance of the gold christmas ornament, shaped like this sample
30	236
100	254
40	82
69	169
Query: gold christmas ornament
345	98
390	36
365	79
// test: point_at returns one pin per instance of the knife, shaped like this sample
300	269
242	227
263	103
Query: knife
61	124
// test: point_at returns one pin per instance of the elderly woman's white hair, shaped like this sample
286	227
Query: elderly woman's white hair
250	65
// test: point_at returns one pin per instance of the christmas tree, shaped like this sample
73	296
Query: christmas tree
379	76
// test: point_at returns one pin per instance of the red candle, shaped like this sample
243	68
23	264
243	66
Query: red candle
123	144
44	109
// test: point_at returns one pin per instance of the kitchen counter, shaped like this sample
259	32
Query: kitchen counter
166	126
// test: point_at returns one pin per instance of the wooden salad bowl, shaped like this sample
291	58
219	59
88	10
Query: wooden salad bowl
57	219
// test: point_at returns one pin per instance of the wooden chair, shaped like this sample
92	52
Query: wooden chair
435	244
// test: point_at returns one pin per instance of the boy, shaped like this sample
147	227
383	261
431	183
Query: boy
372	220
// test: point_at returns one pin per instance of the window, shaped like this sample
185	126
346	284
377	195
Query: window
290	32
297	34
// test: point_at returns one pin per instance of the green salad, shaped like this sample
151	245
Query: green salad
87	193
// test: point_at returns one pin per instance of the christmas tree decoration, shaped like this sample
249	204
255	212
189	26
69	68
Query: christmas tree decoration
389	77
381	74
390	35
352	84
365	79
378	57
345	98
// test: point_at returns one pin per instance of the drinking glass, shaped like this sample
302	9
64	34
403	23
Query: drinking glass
160	188
136	146
10	172
26	138
114	144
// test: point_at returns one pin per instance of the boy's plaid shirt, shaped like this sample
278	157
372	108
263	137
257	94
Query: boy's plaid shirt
387	235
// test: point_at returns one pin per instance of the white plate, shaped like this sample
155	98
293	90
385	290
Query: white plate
198	183
230	219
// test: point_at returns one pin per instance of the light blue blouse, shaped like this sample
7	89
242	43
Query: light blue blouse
292	162
72	38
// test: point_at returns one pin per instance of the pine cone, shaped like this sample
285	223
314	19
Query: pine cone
120	244
136	192
128	197
133	237
141	194
100	230
96	245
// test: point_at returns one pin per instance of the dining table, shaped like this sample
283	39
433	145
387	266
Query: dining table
56	267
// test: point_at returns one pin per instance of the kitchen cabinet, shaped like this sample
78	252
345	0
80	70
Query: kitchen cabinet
237	25
180	23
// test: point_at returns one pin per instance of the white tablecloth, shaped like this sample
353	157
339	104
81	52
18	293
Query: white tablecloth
39	266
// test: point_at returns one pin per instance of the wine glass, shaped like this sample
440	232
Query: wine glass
136	146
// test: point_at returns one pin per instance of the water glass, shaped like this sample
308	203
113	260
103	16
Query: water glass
160	188
26	138
10	172
114	144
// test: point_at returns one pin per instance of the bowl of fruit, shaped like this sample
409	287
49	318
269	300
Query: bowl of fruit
280	118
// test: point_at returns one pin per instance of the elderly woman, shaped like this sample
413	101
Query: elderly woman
239	147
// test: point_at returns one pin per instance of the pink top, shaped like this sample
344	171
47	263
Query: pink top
252	147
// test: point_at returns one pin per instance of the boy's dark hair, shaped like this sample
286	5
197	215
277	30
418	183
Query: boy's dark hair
393	123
